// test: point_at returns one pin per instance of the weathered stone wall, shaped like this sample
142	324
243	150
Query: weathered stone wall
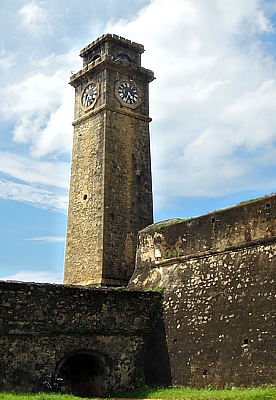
84	242
218	276
48	328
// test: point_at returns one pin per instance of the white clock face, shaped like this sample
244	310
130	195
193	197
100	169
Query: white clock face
128	93
89	95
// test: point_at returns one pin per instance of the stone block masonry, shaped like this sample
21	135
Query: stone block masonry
218	276
93	338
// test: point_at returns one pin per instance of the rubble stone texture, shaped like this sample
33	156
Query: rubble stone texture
218	276
48	328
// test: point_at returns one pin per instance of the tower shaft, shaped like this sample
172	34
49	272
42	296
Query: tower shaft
110	189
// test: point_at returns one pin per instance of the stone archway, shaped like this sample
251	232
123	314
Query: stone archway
85	373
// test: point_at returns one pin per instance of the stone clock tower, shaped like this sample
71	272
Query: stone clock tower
110	189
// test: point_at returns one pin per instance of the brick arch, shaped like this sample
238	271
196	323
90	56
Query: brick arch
85	372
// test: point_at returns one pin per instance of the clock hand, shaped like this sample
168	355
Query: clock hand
129	95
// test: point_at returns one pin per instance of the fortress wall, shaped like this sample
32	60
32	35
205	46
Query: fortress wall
218	276
43	325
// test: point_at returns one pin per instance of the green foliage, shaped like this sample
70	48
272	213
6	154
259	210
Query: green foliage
268	393
156	289
219	293
173	221
147	327
242	203
163	224
261	393
37	396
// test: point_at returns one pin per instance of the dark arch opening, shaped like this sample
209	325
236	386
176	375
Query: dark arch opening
85	374
97	57
124	57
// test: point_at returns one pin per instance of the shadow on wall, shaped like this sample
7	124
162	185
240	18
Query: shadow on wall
85	373
157	366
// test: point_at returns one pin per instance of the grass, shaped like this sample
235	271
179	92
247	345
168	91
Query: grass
40	396
37	396
265	393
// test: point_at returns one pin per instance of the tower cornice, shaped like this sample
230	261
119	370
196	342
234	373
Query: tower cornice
117	65
113	109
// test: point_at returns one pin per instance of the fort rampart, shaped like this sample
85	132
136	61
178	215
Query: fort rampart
217	272
216	325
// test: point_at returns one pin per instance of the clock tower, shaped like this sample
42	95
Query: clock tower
110	188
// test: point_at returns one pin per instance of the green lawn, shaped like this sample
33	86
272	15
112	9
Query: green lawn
268	393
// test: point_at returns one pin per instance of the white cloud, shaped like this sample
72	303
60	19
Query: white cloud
50	173
42	107
34	95
34	18
257	131
244	15
6	59
47	239
54	62
213	102
57	134
35	276
36	197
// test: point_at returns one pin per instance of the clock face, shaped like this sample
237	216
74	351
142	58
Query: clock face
89	95
128	93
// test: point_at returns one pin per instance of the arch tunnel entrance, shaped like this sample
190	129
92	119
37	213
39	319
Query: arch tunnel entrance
85	373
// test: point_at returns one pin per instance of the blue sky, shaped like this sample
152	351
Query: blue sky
213	106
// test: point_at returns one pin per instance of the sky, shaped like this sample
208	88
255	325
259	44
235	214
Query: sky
212	104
